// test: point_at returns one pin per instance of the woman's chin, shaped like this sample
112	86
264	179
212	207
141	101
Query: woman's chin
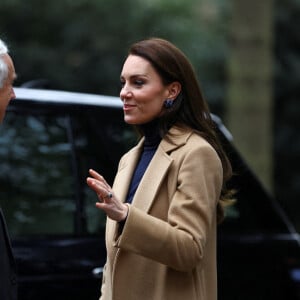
131	121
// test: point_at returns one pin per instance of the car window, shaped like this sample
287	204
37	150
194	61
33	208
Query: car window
45	155
101	138
254	211
35	174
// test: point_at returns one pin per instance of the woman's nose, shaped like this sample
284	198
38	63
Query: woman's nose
125	92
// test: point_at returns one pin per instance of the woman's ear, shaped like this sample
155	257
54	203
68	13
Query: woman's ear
174	89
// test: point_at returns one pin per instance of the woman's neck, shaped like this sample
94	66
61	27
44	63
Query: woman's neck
151	132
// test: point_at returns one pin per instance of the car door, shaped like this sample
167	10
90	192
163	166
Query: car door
258	247
57	234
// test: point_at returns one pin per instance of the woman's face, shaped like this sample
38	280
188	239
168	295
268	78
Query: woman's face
143	92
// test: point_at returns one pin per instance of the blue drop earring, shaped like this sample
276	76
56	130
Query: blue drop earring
168	103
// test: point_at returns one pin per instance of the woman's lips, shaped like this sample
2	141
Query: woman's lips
127	107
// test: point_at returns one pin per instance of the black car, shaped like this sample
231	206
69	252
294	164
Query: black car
48	142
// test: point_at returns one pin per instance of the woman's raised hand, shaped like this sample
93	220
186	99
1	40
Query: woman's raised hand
107	201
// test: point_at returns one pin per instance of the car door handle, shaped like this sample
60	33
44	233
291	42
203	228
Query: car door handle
97	272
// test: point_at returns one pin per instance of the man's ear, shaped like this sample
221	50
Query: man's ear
174	89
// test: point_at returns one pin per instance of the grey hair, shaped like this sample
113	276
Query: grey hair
3	65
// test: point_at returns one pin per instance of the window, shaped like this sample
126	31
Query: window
45	155
35	175
101	137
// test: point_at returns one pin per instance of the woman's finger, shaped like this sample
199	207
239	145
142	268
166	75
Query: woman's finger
102	190
99	177
96	175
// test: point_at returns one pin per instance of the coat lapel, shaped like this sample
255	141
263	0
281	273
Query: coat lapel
157	169
154	174
125	172
152	180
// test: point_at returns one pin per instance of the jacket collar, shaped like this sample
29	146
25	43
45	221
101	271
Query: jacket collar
155	172
175	138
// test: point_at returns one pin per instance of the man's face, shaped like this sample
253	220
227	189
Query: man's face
7	92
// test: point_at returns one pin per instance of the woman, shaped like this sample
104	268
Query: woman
162	210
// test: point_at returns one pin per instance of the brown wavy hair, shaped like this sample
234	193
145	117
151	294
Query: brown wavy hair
190	108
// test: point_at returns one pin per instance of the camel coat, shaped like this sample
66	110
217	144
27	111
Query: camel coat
167	247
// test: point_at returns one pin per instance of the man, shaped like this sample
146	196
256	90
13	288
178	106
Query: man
8	278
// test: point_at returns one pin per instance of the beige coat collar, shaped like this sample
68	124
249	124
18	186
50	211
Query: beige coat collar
155	173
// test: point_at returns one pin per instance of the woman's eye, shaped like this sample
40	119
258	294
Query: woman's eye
136	82
139	82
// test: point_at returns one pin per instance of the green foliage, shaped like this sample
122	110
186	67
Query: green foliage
80	45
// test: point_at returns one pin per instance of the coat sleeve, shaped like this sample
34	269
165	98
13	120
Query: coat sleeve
179	242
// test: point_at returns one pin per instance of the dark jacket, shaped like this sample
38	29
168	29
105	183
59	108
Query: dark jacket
8	275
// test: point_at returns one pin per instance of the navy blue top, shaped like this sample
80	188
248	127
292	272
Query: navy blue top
152	140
